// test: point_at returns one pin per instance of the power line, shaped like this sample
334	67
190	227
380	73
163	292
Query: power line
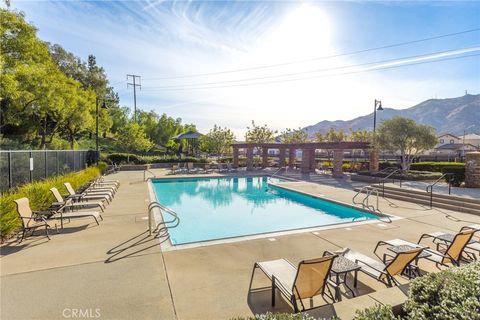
317	58
399	60
322	76
459	51
134	85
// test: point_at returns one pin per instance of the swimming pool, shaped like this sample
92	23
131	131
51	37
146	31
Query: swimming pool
217	208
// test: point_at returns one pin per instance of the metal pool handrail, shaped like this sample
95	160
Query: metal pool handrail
276	171
145	172
162	229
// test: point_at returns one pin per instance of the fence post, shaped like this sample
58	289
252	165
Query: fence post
74	168
30	165
45	157
9	169
57	161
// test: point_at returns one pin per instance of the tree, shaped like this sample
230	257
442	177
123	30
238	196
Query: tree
217	141
361	135
132	138
294	136
319	137
407	137
260	134
335	136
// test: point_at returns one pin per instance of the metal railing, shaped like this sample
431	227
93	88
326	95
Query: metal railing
365	202
276	172
393	180
162	227
370	188
145	174
430	187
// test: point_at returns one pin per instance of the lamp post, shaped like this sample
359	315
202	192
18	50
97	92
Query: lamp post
377	106
104	106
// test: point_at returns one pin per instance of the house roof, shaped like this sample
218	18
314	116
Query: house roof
447	134
471	136
188	135
454	146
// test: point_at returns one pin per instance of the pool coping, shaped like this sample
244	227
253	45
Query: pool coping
166	245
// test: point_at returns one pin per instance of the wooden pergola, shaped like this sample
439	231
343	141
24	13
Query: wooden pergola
308	154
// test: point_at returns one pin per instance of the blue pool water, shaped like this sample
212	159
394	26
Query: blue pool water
216	208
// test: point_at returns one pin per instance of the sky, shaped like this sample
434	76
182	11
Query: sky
287	64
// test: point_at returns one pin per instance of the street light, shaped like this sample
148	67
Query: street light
104	106
377	106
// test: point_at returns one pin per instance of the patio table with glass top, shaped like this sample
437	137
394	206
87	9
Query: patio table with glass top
411	271
340	268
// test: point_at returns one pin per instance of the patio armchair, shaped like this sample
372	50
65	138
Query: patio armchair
221	168
309	279
230	168
85	196
450	253
31	220
385	271
191	169
69	204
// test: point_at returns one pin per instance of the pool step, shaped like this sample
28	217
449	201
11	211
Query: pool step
449	202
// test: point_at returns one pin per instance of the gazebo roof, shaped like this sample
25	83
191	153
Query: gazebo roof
188	135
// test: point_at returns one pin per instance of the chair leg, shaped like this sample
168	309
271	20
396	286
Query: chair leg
46	231
273	291
23	236
96	220
251	278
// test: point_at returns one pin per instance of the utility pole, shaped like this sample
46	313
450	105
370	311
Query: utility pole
134	84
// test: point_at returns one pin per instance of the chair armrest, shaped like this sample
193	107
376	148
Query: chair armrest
362	262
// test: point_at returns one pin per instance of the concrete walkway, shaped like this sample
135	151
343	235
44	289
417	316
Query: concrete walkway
117	271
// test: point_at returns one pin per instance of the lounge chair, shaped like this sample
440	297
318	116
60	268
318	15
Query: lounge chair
385	271
307	280
31	220
69	204
221	168
451	253
175	169
208	168
230	168
85	196
191	169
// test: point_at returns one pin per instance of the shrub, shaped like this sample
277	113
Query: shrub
458	175
450	294
102	166
278	316
130	158
378	312
39	195
435	166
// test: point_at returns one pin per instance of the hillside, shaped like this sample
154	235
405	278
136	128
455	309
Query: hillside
446	115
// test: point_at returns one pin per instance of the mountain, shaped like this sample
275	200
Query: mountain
445	115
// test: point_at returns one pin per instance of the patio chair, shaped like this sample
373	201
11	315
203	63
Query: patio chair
31	220
446	237
175	169
69	204
191	169
451	253
221	168
208	168
307	280
85	196
93	187
385	271
230	168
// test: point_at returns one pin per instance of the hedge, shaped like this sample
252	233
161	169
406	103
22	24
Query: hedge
39	195
450	294
130	158
436	166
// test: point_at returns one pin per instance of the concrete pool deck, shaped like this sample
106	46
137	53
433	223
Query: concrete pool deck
117	271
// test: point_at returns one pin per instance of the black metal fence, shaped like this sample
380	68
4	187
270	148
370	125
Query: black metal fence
23	166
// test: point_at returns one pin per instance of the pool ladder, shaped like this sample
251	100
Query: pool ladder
365	204
162	227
